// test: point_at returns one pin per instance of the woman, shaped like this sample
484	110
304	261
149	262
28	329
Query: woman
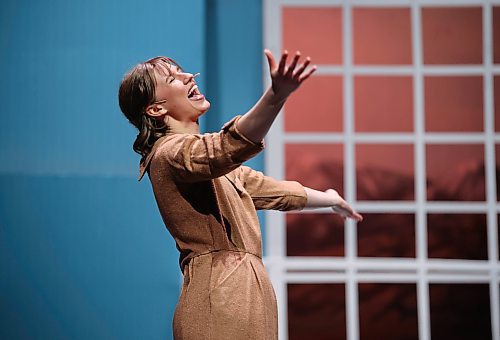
208	200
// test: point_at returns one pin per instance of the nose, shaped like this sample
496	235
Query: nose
189	76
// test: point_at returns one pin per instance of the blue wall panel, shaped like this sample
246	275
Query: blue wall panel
84	253
62	62
84	258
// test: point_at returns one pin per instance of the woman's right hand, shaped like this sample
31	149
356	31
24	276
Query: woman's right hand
341	207
286	78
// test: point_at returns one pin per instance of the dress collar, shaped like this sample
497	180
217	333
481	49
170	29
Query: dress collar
176	129
144	164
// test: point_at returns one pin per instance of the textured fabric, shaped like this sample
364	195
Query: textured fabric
208	202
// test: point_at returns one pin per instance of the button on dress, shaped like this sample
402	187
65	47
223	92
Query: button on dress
208	201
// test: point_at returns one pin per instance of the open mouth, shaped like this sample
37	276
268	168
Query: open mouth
194	93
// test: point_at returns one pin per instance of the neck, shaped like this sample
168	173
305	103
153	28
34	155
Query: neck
176	126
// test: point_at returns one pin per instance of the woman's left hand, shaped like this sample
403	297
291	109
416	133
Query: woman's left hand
341	207
286	78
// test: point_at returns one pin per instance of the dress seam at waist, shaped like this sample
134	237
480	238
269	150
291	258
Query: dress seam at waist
189	258
228	250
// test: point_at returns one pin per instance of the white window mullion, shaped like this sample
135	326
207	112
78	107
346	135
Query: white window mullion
351	286
490	167
274	166
420	176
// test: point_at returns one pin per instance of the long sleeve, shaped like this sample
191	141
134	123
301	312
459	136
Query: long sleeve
193	158
270	194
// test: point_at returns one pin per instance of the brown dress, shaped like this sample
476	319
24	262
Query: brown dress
208	202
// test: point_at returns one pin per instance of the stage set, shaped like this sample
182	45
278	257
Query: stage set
402	118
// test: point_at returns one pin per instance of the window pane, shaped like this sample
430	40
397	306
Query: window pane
455	172
452	35
388	311
316	107
314	235
496	99
386	235
460	311
497	162
457	236
318	166
454	104
383	104
300	24
382	36
384	172
316	311
496	34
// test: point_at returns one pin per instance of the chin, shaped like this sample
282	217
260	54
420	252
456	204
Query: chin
206	106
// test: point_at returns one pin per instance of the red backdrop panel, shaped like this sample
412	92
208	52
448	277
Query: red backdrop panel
382	36
497	168
318	166
316	107
452	35
383	104
314	235
388	311
317	32
496	34
454	104
496	99
457	236
384	172
316	311
460	311
455	172
386	235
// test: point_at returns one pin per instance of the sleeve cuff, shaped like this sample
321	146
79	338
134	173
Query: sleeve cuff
297	195
232	128
241	148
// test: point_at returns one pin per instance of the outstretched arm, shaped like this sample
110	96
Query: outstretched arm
331	199
286	78
255	124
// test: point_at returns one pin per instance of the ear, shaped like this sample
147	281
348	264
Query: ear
156	111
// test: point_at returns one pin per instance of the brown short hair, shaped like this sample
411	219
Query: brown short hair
136	93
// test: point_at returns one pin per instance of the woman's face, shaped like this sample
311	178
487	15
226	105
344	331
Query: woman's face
178	94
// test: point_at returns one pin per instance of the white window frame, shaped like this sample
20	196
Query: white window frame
351	269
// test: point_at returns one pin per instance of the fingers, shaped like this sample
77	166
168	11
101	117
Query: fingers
354	215
357	217
297	74
302	67
270	60
281	68
343	208
307	74
292	66
347	212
